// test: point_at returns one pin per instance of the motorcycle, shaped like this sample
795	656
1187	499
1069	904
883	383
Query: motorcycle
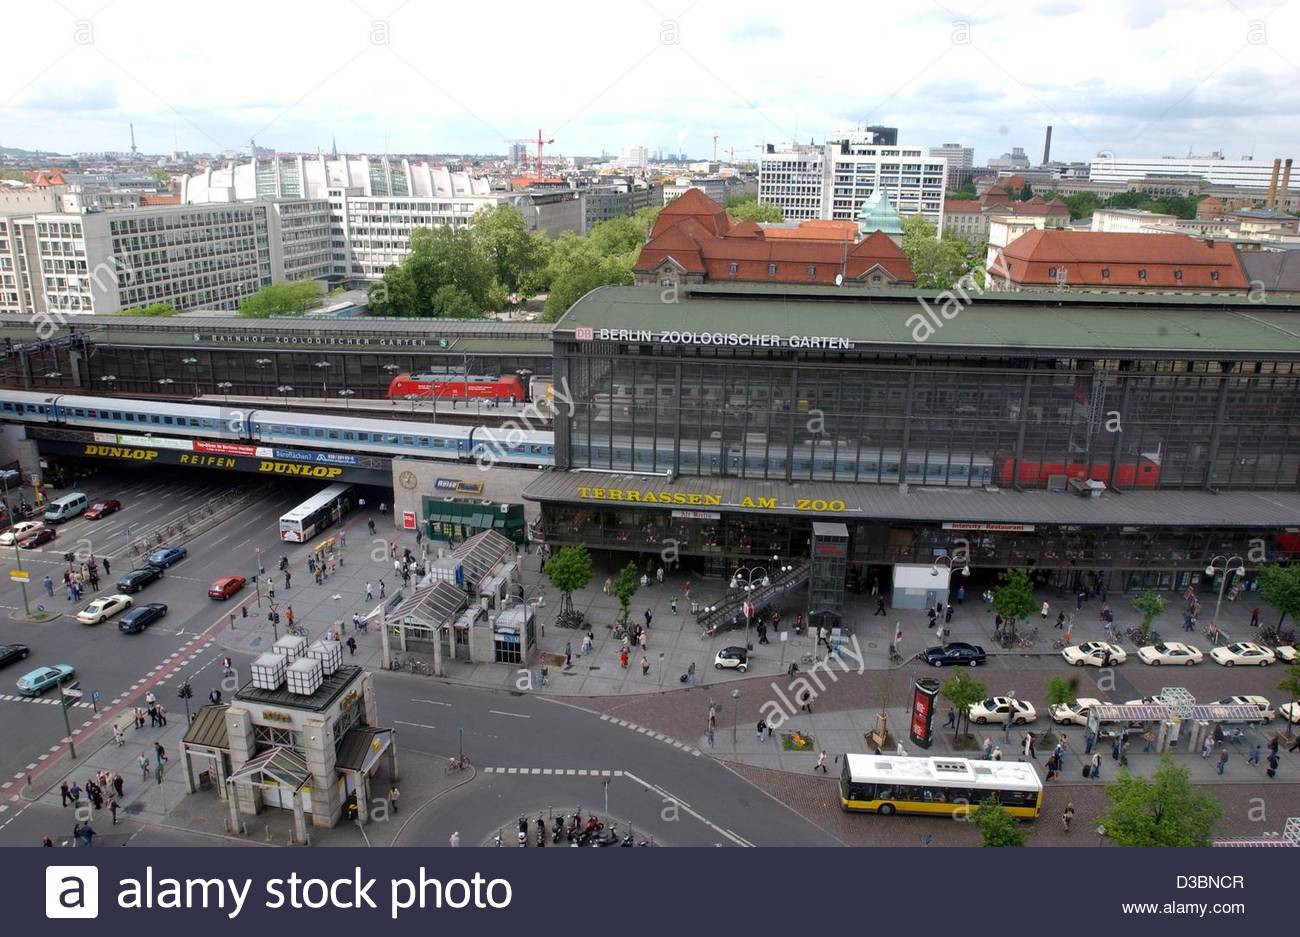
497	841
592	827
541	831
523	831
557	829
606	836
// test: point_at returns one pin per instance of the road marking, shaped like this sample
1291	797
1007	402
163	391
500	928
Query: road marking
738	840
497	712
418	725
431	702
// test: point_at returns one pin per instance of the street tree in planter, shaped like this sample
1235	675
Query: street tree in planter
1058	692
569	570
962	692
625	585
1290	685
1150	604
1014	599
1280	587
1164	810
997	827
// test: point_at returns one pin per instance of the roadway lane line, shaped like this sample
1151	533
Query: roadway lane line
497	712
418	725
431	702
739	841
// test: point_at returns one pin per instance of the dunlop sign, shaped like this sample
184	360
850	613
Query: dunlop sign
302	471
120	452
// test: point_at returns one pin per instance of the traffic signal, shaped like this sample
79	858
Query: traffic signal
185	691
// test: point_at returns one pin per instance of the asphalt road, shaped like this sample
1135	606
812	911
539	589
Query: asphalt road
108	661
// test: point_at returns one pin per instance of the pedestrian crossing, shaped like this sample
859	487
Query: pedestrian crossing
48	701
567	772
651	734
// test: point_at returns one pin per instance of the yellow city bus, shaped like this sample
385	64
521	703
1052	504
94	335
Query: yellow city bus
887	784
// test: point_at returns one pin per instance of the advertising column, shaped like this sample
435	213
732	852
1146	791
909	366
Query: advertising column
923	696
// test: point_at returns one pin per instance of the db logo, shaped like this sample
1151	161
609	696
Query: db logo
584	333
71	891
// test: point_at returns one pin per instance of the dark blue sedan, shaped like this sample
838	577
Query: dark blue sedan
141	617
166	556
958	652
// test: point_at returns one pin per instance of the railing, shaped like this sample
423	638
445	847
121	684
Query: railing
777	586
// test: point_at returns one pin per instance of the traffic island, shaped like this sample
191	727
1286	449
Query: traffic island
36	616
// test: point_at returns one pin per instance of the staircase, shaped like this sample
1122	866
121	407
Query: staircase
732	608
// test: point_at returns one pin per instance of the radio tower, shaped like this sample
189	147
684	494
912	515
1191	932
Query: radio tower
134	151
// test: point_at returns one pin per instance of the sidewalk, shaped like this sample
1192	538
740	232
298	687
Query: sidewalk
674	637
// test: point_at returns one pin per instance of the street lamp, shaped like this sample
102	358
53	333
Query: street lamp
110	380
735	696
192	362
947	561
163	382
393	369
748	579
324	391
284	389
18	558
345	394
225	386
262	365
1231	566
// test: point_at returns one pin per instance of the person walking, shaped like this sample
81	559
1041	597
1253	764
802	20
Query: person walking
1028	747
645	666
648	615
393	795
112	808
951	721
947	613
1223	761
1043	611
1272	765
880	606
988	748
659	574
143	762
65	793
383	589
108	570
1067	816
288	579
370	525
370	594
1208	748
1254	755
454	840
48	583
821	762
159	753
690	674
87	833
568	654
352	646
119	785
760	729
609	584
1078	601
1096	766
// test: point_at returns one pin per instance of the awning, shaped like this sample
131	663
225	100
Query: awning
208	729
361	747
282	767
1116	712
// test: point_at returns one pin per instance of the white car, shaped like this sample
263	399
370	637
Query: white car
1075	713
1094	653
1244	653
1259	702
1170	652
1156	700
996	709
1290	712
1287	653
103	609
18	531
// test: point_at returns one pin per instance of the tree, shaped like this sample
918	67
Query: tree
964	191
282	299
161	177
569	570
937	263
517	257
1150	604
1291	686
963	692
1014	599
452	302
754	210
1025	193
997	827
153	309
625	586
1164	810
578	267
1280	587
1059	692
439	257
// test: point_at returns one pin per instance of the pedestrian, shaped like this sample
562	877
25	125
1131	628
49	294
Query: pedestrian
370	594
455	839
87	833
1006	726
112	808
821	762
159	752
1114	748
875	586
383	589
352	646
880	606
1254	617
1043	611
1272	765
1078	603
1223	761
673	604
806	701
1208	748
645	666
118	738
690	674
119	785
108	570
659	574
1089	739
65	793
997	754
46	841
287	580
214	697
1029	746
588	640
947	613
1096	765
1067	816
48	583
951	721
648	616
961	594
370	524
988	748
162	715
143	762
686	588
930	613
1295	745
760	730
622	658
393	795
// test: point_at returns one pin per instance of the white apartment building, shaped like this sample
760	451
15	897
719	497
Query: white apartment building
191	256
832	181
955	155
715	187
1245	173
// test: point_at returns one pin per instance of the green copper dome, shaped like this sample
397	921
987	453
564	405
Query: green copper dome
877	214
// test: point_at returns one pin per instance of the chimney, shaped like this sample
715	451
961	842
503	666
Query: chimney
1280	201
1047	145
1272	184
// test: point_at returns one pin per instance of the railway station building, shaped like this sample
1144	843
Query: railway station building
1097	440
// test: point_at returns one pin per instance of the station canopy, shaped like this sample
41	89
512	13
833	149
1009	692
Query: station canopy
1158	712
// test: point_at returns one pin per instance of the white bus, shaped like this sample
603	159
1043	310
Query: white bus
316	513
888	784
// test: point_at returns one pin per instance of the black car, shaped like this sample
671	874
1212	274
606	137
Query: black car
141	617
137	579
958	652
9	653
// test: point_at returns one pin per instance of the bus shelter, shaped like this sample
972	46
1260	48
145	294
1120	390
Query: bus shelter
1167	721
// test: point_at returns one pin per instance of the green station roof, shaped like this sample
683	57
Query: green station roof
1184	326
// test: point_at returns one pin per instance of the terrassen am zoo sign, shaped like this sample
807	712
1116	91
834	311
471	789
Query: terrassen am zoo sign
696	499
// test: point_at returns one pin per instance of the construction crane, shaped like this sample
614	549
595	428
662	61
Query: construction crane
524	142
541	143
715	147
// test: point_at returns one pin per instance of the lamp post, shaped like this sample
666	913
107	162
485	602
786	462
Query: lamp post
165	382
64	702
323	365
284	389
109	380
18	557
392	369
345	394
262	364
946	562
1231	566
193	363
748	579
224	387
735	697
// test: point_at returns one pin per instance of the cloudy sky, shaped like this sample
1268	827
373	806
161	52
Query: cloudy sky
1132	77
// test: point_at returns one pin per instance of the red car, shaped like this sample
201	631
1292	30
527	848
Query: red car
225	587
36	538
102	508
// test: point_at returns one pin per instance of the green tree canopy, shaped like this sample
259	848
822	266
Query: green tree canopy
518	258
1150	604
1059	692
997	827
1164	810
747	207
153	309
1280	587
440	257
964	191
569	570
938	263
1014	598
1290	685
282	299
963	692
161	177
625	586
1083	204
579	266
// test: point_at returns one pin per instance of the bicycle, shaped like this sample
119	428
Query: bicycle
456	765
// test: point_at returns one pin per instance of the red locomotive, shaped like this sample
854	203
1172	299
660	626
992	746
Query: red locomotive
452	387
1145	473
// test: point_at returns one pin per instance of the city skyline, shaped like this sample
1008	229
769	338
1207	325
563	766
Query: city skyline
1215	75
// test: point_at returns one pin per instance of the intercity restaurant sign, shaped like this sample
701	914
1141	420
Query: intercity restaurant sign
728	339
696	499
989	528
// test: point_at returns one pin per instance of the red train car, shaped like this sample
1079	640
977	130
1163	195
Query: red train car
447	387
1144	473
